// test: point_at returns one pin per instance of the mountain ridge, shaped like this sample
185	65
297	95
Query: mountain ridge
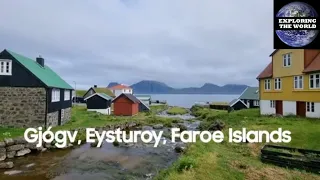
156	87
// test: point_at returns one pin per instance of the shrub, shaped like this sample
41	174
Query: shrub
185	163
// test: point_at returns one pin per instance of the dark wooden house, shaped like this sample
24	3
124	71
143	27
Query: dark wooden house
96	89
31	93
125	105
99	102
250	96
237	104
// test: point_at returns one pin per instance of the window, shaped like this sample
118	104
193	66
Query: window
277	84
5	67
66	95
272	104
256	103
298	82
310	106
267	84
55	95
314	81
286	60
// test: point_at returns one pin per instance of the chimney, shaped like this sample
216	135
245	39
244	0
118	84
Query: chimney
95	86
40	61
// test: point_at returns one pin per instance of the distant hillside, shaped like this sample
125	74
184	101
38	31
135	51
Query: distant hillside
155	87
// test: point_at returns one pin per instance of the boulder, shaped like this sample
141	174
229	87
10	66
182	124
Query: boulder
3	150
3	156
179	149
33	146
13	172
182	127
11	154
147	128
23	152
44	149
2	144
158	126
94	144
30	165
9	141
6	165
20	140
16	147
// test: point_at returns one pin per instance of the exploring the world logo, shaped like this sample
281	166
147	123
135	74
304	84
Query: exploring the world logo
296	25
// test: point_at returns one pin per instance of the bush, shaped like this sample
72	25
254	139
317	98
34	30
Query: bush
185	163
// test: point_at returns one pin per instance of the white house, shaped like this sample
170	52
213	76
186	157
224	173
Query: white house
121	88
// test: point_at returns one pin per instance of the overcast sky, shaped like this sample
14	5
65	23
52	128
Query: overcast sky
180	42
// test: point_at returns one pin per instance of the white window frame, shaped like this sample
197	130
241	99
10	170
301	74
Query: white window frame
55	95
277	84
272	104
256	103
267	84
5	67
67	95
297	81
313	78
286	60
310	107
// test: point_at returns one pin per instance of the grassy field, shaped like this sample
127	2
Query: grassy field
81	118
177	110
241	161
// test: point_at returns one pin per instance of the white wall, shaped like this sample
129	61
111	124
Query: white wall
265	108
316	113
120	91
289	108
102	111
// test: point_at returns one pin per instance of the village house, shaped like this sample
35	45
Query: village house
145	99
93	90
290	84
250	96
32	94
121	88
99	102
125	105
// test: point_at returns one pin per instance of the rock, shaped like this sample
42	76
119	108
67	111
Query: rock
11	154
70	145
116	143
2	144
179	149
49	146
30	165
6	165
20	140
13	172
16	147
94	144
148	175
131	124
217	125
3	156
44	149
147	128
182	127
33	146
158	126
23	152
3	150
9	141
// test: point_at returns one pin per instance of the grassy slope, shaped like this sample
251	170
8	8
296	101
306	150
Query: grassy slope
177	110
82	118
241	161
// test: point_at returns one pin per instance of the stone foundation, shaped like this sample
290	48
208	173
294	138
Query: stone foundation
53	118
22	107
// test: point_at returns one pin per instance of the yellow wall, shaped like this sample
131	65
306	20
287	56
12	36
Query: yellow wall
288	93
297	63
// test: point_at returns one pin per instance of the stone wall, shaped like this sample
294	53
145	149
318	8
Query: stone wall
22	107
53	118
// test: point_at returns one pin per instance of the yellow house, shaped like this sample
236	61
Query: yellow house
290	84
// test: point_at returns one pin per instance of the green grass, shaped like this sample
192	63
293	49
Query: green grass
177	110
226	160
81	118
80	93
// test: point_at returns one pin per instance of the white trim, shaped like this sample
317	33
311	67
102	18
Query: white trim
269	83
102	111
55	95
243	92
145	105
237	101
67	92
298	81
285	60
277	84
314	81
98	95
4	61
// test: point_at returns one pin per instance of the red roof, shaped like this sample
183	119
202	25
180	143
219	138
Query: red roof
267	72
120	86
314	65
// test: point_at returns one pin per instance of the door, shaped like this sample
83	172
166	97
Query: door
279	107
301	109
59	118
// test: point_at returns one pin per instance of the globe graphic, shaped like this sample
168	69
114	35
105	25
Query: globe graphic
297	38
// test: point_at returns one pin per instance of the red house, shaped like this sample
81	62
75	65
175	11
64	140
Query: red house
125	105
